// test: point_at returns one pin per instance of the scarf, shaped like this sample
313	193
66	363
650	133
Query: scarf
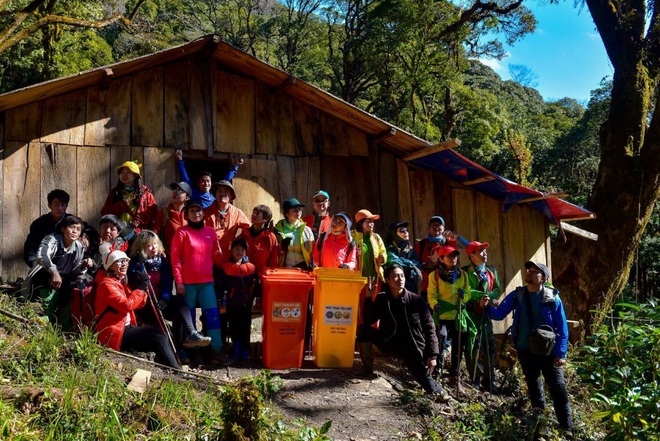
196	225
447	274
153	265
440	239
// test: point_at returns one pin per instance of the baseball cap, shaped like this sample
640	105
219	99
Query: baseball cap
365	214
544	269
291	203
321	193
475	246
183	186
447	250
437	219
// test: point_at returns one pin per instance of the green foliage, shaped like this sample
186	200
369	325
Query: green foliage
621	362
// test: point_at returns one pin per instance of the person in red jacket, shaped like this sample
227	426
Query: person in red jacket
238	277
336	248
131	200
263	249
195	250
170	218
115	319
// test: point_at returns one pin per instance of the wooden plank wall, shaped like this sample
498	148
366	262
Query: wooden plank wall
75	142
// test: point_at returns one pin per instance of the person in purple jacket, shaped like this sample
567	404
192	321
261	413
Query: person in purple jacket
534	305
201	189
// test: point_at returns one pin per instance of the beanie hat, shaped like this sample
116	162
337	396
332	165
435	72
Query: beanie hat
111	257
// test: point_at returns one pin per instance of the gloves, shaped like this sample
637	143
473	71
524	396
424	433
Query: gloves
461	293
285	243
162	304
140	258
343	266
436	308
143	281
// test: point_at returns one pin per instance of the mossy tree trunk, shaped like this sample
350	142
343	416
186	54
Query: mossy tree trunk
591	275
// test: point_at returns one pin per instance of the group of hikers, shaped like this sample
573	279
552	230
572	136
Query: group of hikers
201	251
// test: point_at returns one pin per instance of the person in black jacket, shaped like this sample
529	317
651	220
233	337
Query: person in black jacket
406	330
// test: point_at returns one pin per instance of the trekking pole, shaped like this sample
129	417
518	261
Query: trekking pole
491	369
461	293
476	358
159	317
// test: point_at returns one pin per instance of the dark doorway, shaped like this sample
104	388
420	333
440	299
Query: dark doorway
217	168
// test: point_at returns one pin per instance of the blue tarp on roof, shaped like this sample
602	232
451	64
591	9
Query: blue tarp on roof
461	169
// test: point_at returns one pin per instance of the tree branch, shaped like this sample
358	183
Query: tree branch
473	14
6	42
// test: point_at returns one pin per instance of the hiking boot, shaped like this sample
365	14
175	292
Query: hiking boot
442	396
183	357
367	355
220	358
196	340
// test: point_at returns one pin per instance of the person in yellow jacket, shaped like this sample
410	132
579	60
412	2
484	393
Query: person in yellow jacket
448	291
371	256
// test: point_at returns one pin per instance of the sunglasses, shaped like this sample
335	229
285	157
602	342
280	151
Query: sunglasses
178	191
122	262
320	202
403	230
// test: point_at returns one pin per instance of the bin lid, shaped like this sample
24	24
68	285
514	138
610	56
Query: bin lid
288	274
343	274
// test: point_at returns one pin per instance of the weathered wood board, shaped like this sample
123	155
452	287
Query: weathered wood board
513	229
535	236
334	139
421	185
160	172
389	192
21	195
177	106
108	120
58	170
23	123
307	129
93	179
147	108
258	183
64	119
274	123
465	215
489	229
201	109
235	115
405	212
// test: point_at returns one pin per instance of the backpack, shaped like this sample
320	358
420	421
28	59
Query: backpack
81	305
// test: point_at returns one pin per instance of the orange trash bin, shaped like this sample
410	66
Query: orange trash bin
284	304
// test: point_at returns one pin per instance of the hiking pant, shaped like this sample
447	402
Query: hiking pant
240	321
147	339
408	352
485	358
204	294
456	352
533	366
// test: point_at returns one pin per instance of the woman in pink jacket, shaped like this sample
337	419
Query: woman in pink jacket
194	250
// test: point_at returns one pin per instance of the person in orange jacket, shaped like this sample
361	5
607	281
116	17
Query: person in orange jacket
336	248
223	217
114	308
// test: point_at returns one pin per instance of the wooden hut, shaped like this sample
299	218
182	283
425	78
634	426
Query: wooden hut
212	100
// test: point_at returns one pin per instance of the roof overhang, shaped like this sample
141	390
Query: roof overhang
460	169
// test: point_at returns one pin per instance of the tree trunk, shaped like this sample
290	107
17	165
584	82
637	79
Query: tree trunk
591	275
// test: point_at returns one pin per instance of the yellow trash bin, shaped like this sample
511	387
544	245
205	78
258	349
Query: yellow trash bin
335	314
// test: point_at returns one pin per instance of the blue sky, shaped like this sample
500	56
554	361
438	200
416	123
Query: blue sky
565	52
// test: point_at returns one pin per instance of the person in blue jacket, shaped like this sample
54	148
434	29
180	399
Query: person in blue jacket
201	188
534	305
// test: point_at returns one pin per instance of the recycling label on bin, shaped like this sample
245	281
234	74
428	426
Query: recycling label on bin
286	311
338	315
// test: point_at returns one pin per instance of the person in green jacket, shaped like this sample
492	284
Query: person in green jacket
448	292
484	282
